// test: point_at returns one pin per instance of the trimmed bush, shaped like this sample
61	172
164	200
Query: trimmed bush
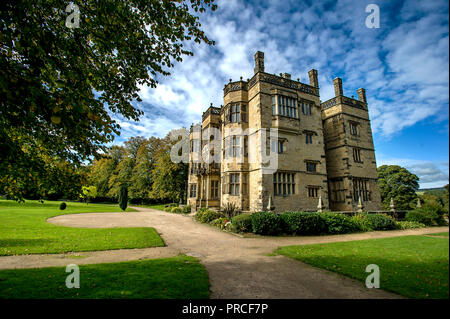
426	217
176	210
242	223
171	205
266	223
404	224
168	209
368	222
62	206
337	223
302	223
207	216
123	197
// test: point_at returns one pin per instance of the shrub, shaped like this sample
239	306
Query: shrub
206	216
368	222
423	216
337	223
404	224
435	208
123	197
266	223
62	206
176	210
186	209
302	223
168	209
242	223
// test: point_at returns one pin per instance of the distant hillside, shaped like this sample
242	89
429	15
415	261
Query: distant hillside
438	191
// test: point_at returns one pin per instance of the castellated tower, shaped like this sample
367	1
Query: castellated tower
351	166
276	141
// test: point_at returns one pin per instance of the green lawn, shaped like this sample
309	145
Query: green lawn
180	277
412	266
24	230
439	234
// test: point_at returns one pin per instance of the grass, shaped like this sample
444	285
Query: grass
439	234
24	230
412	266
180	277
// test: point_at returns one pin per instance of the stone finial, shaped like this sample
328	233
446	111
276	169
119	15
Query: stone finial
313	80
419	204
286	76
270	206
241	78
362	95
259	62
360	205
392	205
320	205
338	91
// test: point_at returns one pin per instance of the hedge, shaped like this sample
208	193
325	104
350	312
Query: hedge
266	223
303	223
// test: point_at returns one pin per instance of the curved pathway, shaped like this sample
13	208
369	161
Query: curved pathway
238	267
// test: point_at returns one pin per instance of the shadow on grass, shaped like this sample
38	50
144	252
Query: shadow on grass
17	242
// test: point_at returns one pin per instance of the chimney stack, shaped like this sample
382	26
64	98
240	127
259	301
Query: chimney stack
338	87
313	81
259	62
362	95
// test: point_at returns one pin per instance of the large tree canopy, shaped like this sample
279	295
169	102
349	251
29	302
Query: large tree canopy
398	183
60	85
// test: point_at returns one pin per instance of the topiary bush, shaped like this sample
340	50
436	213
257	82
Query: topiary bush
338	223
404	224
62	206
206	216
266	223
241	223
123	197
302	223
176	210
427	217
369	222
168	209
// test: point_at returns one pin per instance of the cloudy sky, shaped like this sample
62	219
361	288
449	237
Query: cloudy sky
404	66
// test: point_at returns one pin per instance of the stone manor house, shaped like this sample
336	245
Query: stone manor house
324	150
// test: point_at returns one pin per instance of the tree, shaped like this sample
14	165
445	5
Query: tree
60	83
88	192
398	183
123	197
169	178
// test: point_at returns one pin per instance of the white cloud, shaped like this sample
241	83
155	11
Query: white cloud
403	68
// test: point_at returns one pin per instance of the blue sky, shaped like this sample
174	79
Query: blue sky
403	65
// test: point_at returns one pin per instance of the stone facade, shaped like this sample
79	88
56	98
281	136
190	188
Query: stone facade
315	150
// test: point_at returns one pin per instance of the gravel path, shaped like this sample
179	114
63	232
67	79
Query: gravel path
238	267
